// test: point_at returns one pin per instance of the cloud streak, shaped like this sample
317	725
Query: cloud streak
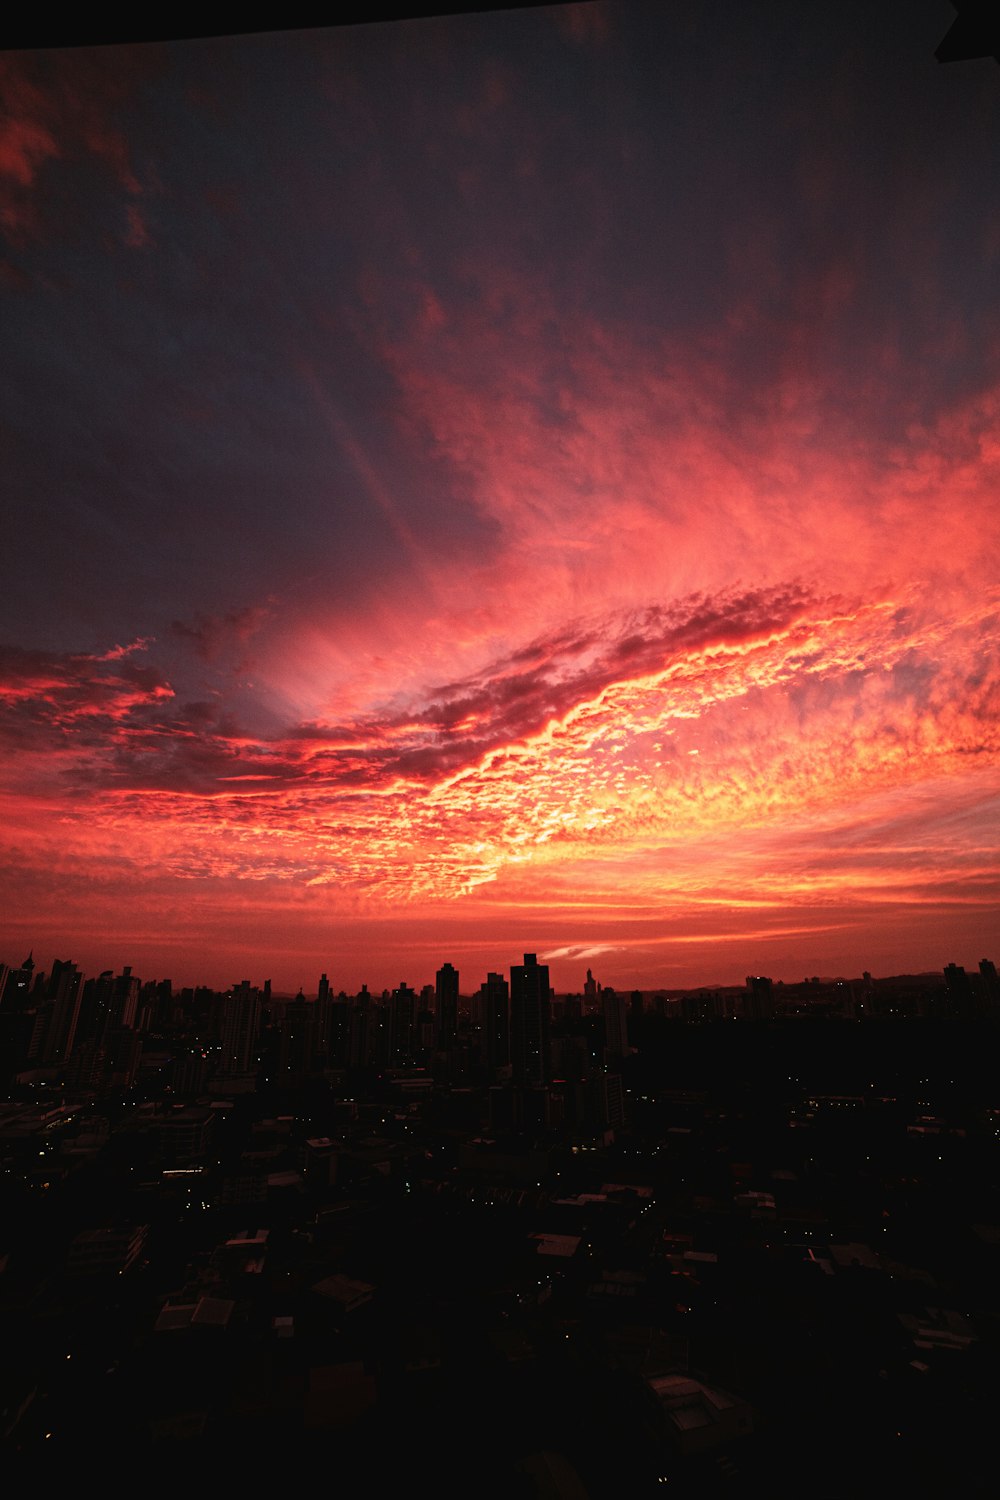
578	745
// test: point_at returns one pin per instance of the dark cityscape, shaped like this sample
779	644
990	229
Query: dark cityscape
720	1238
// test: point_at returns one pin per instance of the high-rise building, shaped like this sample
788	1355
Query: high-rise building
759	1002
124	1000
240	1027
529	1021
337	1031
607	1101
64	989
615	1024
446	1001
298	1040
17	991
961	1001
122	1054
573	1008
363	1026
570	1058
95	1008
402	1019
496	995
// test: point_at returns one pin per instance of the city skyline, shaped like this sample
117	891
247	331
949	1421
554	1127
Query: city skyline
588	987
514	482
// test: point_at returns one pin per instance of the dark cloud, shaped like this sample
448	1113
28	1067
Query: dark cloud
209	635
64	106
61	687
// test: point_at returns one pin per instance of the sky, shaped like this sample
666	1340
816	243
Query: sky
511	481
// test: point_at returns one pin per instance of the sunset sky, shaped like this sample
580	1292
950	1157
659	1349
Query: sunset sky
513	481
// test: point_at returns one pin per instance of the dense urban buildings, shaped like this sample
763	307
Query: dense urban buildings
702	1238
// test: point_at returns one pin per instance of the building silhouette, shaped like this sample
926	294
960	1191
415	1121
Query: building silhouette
57	1018
530	1009
17	990
960	999
402	1019
446	1003
615	1024
240	1029
759	1001
496	994
299	1039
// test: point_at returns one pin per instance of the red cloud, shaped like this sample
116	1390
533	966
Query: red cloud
707	726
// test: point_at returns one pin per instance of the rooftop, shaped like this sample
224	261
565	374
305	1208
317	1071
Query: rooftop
565	1245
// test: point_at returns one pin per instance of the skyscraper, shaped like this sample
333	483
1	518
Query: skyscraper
363	1027
95	1009
16	992
240	1025
961	1001
497	1023
615	1024
446	998
64	989
125	999
298	1038
759	999
402	1017
529	1022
